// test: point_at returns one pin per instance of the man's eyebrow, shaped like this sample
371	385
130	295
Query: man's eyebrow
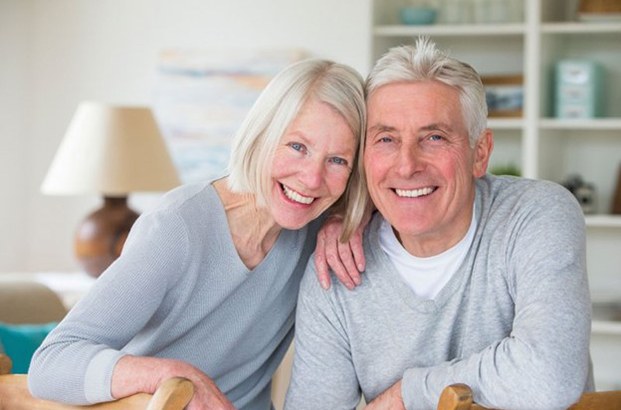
381	128
437	126
431	127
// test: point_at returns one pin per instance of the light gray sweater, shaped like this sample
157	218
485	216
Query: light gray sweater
180	291
513	322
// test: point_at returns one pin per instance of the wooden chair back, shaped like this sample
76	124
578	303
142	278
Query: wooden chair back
459	397
173	394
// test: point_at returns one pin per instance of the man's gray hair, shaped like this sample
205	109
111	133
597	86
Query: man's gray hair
425	62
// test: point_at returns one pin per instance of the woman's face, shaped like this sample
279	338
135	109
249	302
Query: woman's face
311	165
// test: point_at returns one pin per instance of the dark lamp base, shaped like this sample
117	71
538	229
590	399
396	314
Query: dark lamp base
100	237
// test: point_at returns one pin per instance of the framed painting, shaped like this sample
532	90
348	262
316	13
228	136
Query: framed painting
201	98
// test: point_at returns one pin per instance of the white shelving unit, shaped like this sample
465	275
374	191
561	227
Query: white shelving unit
542	146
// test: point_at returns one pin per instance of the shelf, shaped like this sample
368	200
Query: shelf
439	30
580	124
603	221
580	28
505	123
606	327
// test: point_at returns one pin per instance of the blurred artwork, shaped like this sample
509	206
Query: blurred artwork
202	97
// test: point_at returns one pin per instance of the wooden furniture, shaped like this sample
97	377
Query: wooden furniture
459	397
173	394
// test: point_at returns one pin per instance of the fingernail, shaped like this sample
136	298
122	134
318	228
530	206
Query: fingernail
324	284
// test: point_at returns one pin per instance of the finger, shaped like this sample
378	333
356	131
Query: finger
321	265
355	243
347	259
335	263
333	259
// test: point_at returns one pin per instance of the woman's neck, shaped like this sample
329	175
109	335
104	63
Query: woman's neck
253	229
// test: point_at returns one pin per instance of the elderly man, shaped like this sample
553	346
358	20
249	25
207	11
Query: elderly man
469	277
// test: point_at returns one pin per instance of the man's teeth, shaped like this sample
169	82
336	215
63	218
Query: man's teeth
294	196
414	193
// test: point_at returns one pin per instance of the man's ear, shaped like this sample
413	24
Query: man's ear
482	153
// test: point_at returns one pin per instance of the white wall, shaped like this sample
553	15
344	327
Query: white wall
14	171
56	53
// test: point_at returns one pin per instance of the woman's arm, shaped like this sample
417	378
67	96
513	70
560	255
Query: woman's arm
133	374
75	362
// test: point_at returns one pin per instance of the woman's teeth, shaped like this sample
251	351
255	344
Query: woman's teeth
294	196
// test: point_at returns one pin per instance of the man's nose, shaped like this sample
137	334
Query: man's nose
410	161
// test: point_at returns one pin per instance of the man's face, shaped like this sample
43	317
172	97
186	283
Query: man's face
419	166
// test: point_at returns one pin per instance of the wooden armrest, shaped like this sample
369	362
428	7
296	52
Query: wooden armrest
173	394
599	400
455	397
459	397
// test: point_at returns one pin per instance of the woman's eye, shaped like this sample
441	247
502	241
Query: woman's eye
339	161
297	146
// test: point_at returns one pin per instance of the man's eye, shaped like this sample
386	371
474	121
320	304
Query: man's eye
436	137
384	138
339	161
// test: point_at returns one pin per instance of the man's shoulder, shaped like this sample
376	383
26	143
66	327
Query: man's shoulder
510	203
338	294
500	190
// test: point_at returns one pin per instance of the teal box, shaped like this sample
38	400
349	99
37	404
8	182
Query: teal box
578	91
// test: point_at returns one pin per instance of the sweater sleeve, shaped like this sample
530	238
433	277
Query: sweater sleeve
75	362
544	362
323	375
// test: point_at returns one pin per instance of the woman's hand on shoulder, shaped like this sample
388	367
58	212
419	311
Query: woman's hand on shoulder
345	259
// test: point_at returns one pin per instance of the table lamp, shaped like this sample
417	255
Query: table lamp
112	151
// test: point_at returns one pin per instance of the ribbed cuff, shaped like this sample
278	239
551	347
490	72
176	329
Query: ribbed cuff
412	391
98	377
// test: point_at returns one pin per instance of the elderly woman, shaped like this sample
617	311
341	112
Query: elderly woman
207	283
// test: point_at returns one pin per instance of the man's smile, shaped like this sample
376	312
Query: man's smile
414	193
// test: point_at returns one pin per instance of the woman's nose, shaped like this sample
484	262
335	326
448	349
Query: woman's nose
313	173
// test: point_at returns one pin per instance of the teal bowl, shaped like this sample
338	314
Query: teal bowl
417	15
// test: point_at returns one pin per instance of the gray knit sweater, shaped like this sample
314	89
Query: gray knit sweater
513	322
180	291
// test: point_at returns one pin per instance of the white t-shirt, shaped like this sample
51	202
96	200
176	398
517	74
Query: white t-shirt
426	276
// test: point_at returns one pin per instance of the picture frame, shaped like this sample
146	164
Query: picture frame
504	95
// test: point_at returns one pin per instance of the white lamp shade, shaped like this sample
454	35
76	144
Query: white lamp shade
112	151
